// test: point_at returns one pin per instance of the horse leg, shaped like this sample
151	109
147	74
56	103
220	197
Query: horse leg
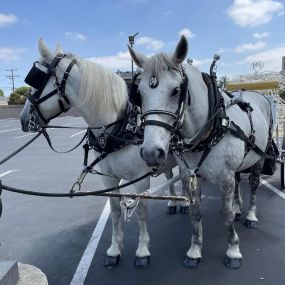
171	206
237	204
184	206
233	254
254	179
114	251
193	255
142	254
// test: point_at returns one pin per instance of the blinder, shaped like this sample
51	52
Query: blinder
135	96
36	76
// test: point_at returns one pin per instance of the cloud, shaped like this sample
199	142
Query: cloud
261	35
281	13
271	58
250	47
122	60
10	54
197	61
7	19
150	43
186	32
75	36
253	12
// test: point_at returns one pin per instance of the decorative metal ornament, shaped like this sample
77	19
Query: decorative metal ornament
153	82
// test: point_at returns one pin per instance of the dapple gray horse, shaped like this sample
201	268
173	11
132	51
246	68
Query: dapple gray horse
225	159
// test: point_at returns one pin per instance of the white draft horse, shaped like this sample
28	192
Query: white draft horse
101	97
160	90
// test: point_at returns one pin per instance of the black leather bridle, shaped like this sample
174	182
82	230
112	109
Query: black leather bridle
177	116
37	78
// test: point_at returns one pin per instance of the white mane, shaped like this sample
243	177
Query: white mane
101	88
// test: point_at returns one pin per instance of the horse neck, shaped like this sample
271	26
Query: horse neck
196	115
103	97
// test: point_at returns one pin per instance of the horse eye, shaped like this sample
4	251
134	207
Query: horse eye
175	91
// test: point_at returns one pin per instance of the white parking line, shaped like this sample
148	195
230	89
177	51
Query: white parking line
76	134
29	134
5	131
8	119
272	188
86	259
7	172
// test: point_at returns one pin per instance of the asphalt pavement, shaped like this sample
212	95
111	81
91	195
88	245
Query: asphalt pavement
54	233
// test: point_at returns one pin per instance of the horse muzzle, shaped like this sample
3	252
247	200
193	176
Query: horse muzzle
153	157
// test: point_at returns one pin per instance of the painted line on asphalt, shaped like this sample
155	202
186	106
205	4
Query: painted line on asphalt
10	130
30	134
272	188
7	172
8	119
87	257
76	134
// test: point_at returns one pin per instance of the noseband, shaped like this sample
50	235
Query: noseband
38	80
177	116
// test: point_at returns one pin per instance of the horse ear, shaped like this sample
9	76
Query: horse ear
58	49
44	51
138	58
180	51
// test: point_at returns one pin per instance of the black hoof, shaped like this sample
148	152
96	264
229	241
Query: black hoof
142	262
237	216
232	263
171	210
191	262
251	224
111	261
184	209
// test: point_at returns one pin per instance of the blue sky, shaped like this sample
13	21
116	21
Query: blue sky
242	31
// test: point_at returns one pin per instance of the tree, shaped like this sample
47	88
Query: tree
282	94
1	93
19	96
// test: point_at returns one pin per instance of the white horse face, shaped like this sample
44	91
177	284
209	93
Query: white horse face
159	92
30	116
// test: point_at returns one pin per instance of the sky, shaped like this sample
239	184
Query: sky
241	31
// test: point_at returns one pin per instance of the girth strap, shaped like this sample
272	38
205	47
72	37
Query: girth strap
239	133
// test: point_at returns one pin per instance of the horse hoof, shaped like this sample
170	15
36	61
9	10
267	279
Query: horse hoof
232	263
191	262
237	216
251	224
171	210
184	209
111	261
142	262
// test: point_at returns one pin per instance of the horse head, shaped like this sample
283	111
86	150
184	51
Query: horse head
53	80
163	88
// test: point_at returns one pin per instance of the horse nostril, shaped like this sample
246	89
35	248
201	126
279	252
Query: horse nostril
160	154
141	153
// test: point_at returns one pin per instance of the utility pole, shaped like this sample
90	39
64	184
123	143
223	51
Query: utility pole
131	42
12	77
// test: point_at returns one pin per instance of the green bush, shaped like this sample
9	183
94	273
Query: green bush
282	94
19	96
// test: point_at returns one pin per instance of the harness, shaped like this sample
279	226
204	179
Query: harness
135	98
37	78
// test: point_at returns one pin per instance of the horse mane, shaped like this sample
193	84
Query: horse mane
101	88
159	62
